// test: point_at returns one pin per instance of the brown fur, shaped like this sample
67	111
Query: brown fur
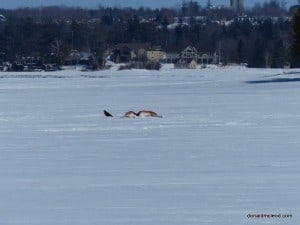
130	114
142	113
146	113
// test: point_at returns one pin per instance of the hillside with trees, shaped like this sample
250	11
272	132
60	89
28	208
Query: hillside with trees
261	36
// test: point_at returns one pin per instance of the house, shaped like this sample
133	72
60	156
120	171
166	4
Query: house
5	66
189	53
2	18
26	63
156	55
128	52
186	59
85	59
72	58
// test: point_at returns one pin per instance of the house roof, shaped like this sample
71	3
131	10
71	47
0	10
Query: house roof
2	18
190	49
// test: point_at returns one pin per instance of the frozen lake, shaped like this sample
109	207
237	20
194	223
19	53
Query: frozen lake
226	147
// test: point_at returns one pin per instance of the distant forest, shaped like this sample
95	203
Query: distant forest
261	36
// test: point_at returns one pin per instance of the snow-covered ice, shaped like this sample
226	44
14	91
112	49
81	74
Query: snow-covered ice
227	146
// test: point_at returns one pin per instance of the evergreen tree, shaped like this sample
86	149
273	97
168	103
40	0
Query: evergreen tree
295	50
278	54
241	49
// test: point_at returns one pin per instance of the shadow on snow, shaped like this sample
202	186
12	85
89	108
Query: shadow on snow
276	80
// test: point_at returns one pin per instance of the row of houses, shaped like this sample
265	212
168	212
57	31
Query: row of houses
85	60
134	55
129	52
144	52
27	64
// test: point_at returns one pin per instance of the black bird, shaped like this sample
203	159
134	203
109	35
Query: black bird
107	114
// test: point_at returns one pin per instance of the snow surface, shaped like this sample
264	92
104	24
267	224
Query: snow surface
227	146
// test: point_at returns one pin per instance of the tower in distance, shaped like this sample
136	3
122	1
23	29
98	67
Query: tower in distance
237	5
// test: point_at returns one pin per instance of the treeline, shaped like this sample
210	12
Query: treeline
51	33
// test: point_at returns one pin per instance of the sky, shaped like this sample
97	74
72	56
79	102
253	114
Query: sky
120	3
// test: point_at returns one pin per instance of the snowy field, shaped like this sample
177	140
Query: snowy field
228	145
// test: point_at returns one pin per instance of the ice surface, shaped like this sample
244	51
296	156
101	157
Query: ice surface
227	146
